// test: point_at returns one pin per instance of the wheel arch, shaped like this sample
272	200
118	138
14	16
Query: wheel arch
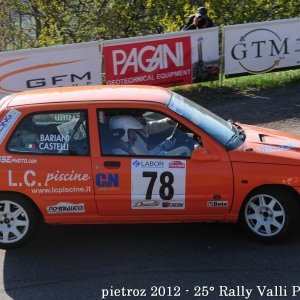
26	198
287	200
283	187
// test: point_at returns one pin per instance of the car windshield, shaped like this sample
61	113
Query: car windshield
216	127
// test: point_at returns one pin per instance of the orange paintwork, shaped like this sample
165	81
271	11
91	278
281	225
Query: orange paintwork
91	93
213	174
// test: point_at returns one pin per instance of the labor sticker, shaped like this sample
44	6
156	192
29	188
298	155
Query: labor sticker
158	184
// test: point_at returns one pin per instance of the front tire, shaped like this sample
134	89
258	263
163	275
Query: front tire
270	214
19	220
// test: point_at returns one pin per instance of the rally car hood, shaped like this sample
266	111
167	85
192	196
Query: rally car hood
267	146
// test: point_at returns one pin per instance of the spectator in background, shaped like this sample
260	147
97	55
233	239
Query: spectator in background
199	20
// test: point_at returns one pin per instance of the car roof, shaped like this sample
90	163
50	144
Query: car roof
91	93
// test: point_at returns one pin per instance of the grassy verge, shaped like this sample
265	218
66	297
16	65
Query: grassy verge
246	84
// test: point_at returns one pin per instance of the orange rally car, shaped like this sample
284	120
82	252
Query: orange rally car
133	154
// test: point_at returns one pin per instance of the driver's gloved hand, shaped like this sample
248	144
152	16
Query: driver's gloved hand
168	143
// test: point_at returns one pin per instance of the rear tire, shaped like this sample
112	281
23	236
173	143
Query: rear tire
19	220
270	214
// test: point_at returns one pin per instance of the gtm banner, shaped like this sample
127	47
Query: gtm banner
261	47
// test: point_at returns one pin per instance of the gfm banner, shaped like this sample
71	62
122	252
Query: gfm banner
165	60
262	47
69	65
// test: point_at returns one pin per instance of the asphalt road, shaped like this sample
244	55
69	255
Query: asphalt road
96	261
163	261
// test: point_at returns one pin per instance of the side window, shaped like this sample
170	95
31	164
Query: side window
54	133
144	133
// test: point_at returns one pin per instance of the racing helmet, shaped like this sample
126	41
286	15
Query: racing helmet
124	122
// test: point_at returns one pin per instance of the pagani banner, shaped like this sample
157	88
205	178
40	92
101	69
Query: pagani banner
68	65
165	60
262	47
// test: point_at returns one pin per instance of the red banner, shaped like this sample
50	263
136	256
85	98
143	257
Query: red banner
162	62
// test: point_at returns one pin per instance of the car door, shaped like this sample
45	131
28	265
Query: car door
153	187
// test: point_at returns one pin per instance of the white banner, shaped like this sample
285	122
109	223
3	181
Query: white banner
261	47
166	60
68	65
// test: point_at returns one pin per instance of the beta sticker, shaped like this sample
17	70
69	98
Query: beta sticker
158	184
7	122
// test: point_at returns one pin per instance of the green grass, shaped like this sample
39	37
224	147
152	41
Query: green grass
245	84
266	80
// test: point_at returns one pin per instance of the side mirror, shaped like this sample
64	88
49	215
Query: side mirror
201	154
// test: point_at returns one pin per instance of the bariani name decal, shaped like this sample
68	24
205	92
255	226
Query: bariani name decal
53	142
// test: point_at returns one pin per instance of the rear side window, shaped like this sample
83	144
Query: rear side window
63	133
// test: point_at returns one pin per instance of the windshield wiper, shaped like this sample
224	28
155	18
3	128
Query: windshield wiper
239	131
232	138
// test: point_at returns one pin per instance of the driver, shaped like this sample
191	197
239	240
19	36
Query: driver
135	142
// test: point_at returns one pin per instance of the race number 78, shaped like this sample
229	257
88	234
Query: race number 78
166	179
